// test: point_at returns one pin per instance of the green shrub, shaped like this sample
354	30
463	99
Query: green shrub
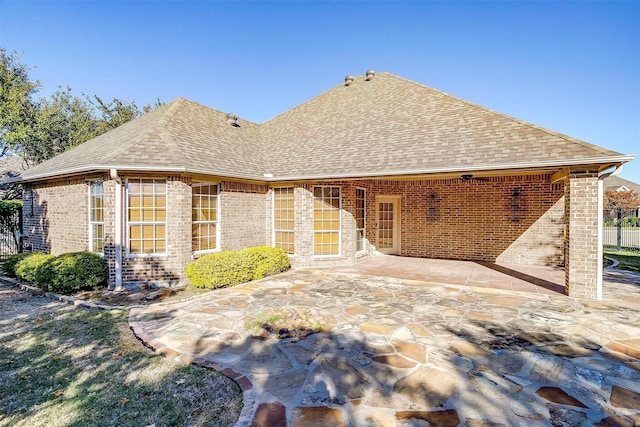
26	268
72	272
9	264
219	270
266	260
232	268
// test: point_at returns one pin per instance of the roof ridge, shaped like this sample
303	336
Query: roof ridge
305	102
515	119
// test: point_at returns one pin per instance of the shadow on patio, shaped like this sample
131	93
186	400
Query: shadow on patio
524	278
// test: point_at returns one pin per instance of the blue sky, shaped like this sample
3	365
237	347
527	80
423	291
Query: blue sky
573	67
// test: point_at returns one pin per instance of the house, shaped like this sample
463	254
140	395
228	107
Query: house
10	168
377	163
620	184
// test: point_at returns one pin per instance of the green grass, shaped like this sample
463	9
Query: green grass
628	260
67	366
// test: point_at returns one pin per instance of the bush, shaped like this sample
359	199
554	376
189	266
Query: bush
266	260
9	264
72	272
26	268
218	270
232	268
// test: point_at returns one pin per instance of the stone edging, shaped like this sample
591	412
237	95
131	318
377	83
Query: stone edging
248	398
614	263
59	297
242	381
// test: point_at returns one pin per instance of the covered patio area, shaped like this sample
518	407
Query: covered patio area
514	277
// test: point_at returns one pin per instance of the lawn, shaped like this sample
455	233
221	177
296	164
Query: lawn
628	260
66	366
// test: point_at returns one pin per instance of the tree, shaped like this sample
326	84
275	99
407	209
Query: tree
621	199
39	130
17	107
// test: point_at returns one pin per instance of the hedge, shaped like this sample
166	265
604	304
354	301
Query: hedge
64	274
26	268
232	268
72	272
266	260
10	262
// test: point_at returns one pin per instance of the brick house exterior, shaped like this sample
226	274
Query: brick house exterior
376	164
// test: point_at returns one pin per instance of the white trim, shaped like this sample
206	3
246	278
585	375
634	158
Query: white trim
364	222
91	223
600	252
118	227
328	175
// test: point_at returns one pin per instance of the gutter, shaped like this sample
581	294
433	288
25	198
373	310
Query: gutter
268	177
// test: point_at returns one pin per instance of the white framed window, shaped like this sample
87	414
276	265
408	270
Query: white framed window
204	217
283	219
361	217
96	217
327	222
146	217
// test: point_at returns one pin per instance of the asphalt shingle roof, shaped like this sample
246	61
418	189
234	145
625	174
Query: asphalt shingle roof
617	182
383	126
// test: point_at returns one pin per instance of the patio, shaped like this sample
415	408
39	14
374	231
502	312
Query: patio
523	278
399	351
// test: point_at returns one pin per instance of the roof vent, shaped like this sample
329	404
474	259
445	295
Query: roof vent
348	80
369	75
232	120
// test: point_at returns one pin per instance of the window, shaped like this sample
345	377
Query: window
96	217
326	221
147	216
360	219
204	217
283	215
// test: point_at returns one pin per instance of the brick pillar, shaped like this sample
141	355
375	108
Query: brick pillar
178	225
581	258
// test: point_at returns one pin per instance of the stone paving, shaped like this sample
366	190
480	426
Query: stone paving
400	352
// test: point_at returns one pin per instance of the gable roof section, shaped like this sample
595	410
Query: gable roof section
389	125
181	136
616	182
385	126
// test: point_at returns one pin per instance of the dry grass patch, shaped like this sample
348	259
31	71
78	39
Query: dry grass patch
62	365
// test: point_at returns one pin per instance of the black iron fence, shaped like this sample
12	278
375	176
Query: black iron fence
10	228
621	229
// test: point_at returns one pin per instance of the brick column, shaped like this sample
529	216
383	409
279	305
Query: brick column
178	225
581	258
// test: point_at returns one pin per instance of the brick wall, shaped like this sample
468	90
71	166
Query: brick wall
56	216
245	216
514	219
581	203
170	268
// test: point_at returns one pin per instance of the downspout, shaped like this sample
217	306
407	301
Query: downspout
118	227
600	253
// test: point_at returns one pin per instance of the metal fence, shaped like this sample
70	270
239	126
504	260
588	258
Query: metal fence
10	229
621	229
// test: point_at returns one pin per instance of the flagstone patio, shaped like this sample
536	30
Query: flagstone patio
417	349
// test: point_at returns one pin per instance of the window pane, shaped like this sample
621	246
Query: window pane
204	216
135	246
283	215
146	216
